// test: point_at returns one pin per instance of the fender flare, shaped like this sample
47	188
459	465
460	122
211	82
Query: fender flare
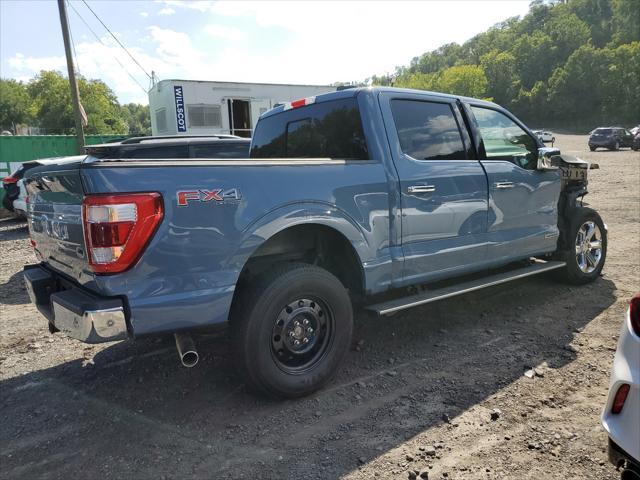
296	214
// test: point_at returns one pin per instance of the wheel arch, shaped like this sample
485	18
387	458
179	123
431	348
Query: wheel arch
297	233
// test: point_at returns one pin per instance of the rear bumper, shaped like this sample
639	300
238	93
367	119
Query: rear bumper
80	314
619	458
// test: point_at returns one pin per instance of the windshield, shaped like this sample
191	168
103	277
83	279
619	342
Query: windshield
603	131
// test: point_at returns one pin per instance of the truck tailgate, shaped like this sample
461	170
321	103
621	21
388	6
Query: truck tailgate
55	217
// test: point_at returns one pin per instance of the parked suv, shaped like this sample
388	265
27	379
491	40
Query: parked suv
612	138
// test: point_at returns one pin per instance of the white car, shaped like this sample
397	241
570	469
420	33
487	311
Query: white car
621	415
20	203
545	135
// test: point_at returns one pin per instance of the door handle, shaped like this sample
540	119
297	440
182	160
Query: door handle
421	189
502	185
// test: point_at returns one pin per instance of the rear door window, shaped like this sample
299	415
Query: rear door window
427	130
323	130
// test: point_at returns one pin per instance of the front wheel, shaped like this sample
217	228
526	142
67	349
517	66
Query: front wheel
593	149
291	328
586	248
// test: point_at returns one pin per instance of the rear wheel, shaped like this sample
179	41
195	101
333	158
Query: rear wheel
291	328
592	148
616	146
586	250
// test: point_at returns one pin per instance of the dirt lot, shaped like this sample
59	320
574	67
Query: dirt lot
416	393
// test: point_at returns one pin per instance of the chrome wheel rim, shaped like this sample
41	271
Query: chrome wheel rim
588	247
301	335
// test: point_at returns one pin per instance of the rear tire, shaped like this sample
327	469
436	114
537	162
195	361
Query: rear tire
291	328
586	248
593	149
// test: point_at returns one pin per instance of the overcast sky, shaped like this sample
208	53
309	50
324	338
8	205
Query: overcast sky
281	42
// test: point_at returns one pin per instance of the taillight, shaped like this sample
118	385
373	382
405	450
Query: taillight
634	313
8	180
118	227
620	398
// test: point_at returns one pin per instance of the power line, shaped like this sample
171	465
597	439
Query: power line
116	39
101	42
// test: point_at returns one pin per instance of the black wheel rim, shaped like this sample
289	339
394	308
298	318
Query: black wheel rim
301	335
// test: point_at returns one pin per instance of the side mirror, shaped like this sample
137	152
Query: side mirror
544	158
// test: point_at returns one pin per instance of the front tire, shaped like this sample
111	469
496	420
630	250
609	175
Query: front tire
291	328
586	248
593	149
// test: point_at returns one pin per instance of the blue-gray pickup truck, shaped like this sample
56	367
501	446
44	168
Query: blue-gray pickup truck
354	195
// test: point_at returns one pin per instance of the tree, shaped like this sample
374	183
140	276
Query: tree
626	21
137	118
53	111
15	104
468	80
502	76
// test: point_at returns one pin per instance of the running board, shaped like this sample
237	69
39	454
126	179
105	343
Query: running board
393	306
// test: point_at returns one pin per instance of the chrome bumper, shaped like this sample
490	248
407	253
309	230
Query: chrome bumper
78	313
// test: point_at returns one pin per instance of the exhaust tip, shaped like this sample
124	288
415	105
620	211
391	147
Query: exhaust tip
189	359
186	350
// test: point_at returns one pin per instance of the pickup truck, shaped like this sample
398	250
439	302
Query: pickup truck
357	196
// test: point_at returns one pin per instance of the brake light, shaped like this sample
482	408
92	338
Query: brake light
118	227
620	398
634	313
8	180
299	103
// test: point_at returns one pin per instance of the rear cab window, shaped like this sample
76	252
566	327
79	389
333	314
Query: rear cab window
331	129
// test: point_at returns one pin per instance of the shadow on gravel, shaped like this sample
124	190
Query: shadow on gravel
13	229
13	291
136	413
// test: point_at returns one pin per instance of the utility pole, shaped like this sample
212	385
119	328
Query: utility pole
75	96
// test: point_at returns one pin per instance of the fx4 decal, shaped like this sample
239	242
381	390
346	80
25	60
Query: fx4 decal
217	195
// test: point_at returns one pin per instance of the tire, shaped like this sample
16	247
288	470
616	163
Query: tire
267	320
593	149
616	146
583	266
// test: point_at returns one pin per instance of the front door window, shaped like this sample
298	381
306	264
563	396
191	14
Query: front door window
504	139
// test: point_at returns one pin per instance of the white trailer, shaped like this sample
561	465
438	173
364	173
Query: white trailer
193	107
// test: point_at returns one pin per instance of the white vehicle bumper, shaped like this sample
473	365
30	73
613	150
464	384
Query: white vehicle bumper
624	427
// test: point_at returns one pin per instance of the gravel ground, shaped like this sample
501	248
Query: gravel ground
438	389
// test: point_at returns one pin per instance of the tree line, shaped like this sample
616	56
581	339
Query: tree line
573	64
45	102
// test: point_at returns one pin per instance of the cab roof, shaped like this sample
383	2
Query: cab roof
354	92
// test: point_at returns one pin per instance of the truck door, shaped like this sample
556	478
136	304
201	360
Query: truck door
443	187
523	201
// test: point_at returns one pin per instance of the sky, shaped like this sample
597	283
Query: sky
298	42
